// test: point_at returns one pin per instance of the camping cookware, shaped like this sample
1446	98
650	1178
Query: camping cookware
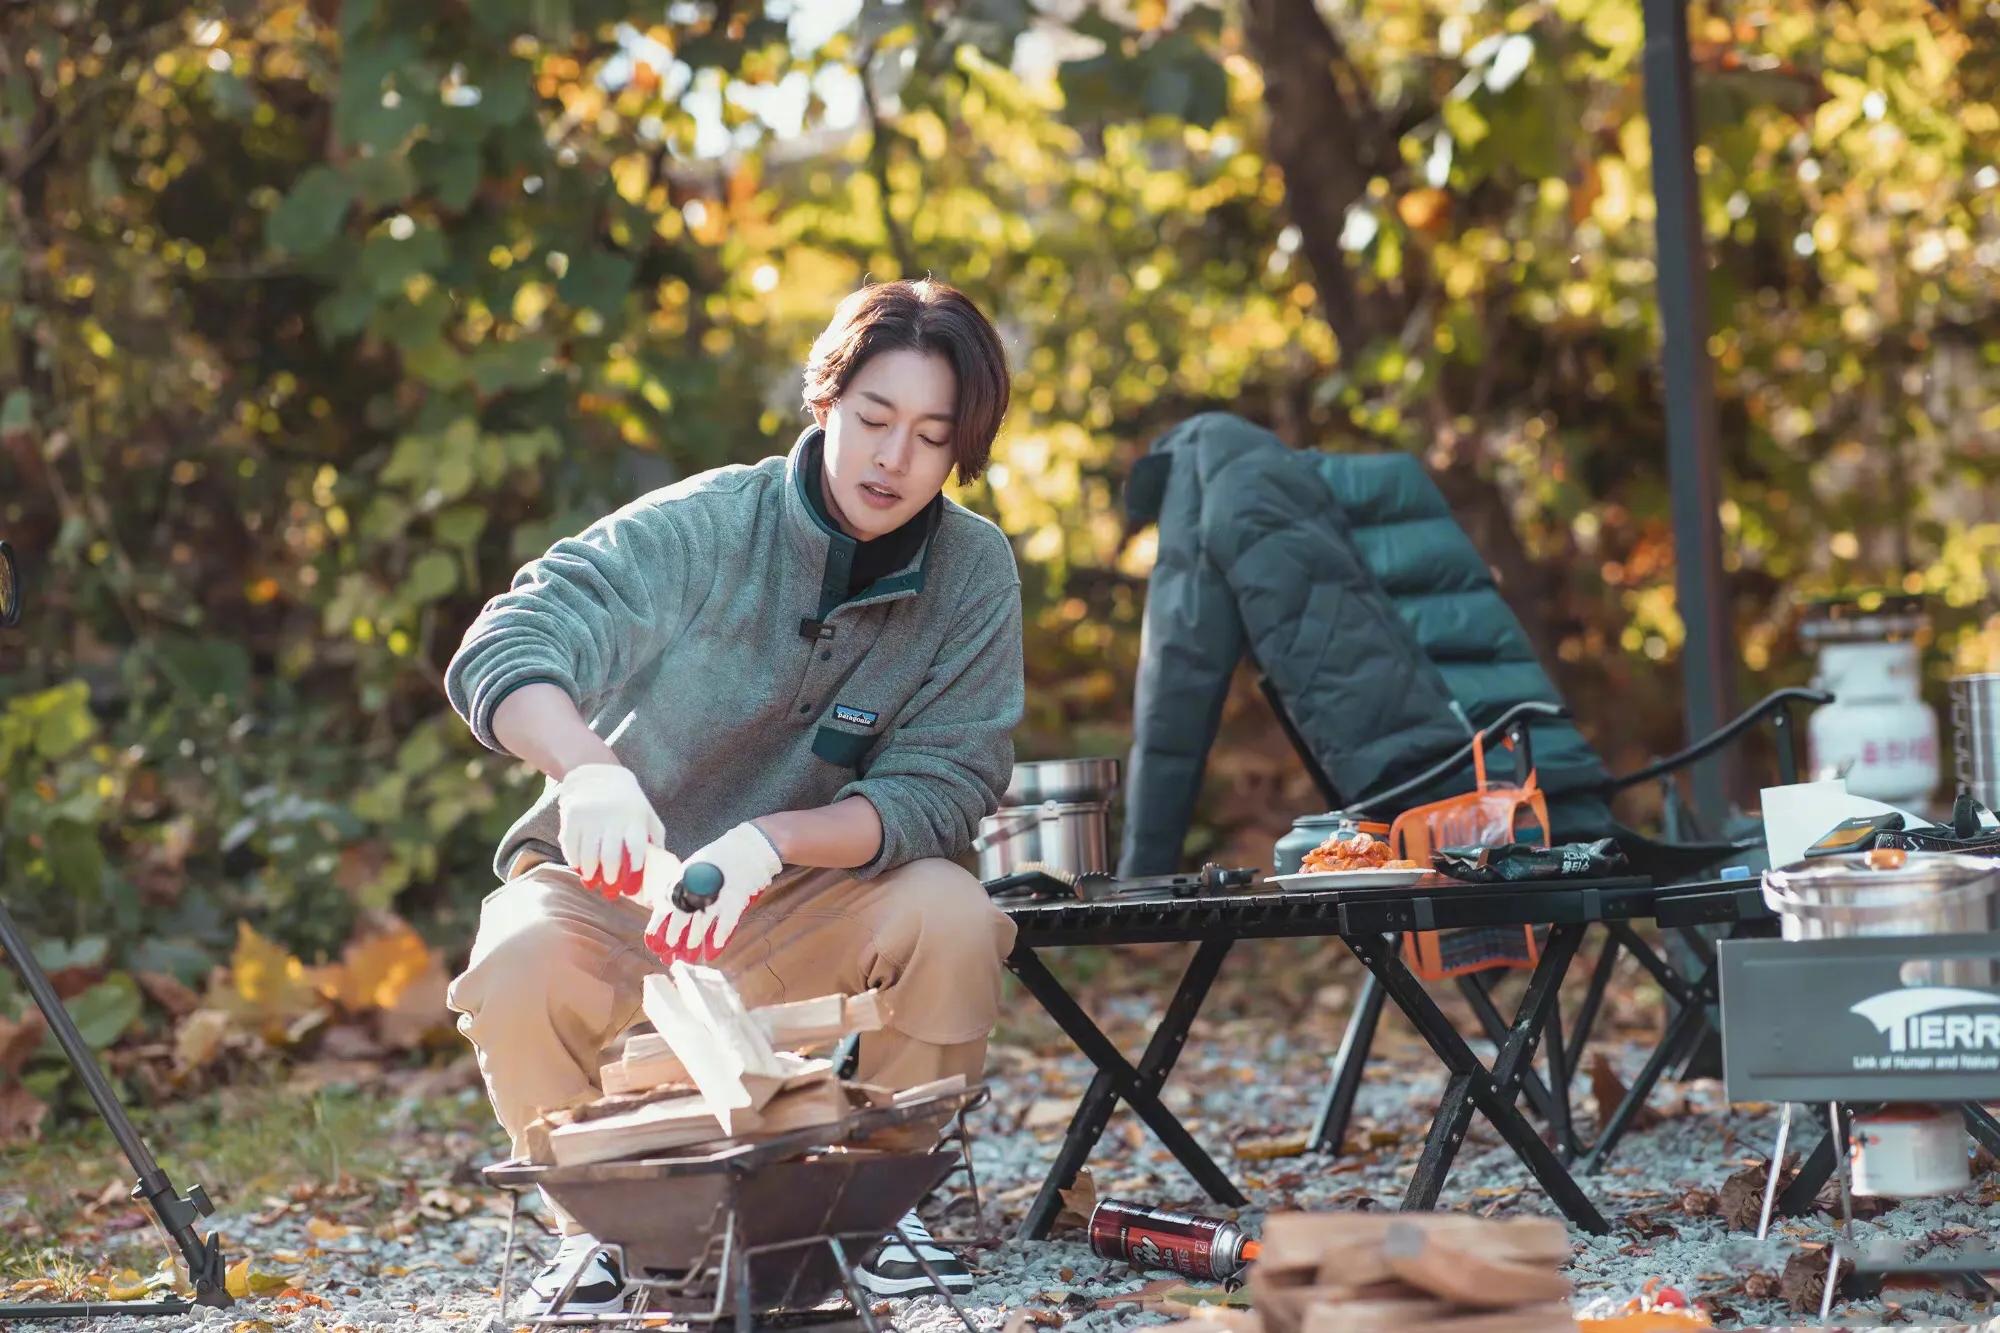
1885	892
1065	781
1072	838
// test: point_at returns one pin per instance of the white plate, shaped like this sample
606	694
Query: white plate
1348	879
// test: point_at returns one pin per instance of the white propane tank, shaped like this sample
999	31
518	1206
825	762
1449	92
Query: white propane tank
1878	728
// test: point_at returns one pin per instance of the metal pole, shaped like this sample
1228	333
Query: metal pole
1694	463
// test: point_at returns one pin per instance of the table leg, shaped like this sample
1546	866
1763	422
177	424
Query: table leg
1474	987
1979	1122
1117	1079
1814	1172
1336	1109
1558	1061
1472	1085
1593	997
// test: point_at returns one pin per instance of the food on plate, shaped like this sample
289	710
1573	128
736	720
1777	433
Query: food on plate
1352	851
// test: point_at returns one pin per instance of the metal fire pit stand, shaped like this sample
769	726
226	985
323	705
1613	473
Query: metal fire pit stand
1820	1021
718	1287
1365	920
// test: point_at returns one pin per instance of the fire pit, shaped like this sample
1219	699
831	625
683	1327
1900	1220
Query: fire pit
740	1230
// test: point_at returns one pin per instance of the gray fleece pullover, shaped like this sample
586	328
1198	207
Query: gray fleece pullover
706	633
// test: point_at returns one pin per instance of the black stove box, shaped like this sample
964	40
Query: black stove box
1905	1018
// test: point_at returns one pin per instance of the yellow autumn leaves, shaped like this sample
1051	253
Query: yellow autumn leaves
387	979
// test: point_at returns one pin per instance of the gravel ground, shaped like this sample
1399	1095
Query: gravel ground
434	1263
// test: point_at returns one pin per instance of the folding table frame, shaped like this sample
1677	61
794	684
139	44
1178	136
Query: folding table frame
1669	862
1737	906
1366	920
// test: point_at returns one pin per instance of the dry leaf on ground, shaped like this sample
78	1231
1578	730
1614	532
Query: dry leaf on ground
21	1115
1078	1200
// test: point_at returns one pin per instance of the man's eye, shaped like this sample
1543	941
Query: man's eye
877	425
935	444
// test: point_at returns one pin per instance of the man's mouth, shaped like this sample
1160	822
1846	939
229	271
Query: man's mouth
878	494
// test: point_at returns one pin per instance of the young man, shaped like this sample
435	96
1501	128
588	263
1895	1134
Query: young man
805	672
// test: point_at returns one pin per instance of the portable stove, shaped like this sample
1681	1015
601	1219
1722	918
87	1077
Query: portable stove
1903	1031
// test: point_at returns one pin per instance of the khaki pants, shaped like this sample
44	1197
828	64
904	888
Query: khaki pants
556	970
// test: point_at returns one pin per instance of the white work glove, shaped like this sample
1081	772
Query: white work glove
748	863
607	823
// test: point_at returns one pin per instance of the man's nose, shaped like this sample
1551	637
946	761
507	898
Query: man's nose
894	454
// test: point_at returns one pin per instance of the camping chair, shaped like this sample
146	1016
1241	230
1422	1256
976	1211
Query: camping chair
1404	533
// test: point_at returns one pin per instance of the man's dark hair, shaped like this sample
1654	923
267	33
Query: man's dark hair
920	315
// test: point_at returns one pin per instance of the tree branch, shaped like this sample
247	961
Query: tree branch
878	166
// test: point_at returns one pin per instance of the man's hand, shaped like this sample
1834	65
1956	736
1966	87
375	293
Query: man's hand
607	824
748	863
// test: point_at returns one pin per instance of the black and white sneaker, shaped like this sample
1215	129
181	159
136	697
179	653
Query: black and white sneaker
895	1271
600	1287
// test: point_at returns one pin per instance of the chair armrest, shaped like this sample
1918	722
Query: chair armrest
1499	727
1777	702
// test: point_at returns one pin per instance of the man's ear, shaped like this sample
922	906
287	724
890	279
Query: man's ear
819	414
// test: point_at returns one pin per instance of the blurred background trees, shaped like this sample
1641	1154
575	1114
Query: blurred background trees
317	319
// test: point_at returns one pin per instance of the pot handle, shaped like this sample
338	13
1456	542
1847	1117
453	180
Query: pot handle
1023	817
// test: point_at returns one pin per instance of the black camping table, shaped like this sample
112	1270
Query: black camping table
1735	905
1366	920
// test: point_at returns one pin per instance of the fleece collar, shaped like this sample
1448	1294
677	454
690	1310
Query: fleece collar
833	550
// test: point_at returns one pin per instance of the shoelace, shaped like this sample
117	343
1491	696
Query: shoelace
574	1248
914	1228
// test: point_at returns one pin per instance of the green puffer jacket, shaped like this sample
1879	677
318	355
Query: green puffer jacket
1347	581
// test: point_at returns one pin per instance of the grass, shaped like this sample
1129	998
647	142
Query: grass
242	1143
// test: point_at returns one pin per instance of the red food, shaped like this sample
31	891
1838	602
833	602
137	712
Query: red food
1358	851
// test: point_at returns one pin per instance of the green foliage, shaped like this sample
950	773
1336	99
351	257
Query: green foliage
317	319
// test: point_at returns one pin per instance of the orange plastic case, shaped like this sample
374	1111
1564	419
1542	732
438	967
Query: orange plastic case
1489	815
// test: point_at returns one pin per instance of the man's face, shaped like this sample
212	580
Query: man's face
888	442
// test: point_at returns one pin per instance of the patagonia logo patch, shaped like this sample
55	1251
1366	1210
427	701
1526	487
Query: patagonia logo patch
859	717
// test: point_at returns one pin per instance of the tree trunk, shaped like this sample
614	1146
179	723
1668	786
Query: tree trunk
1320	135
1325	136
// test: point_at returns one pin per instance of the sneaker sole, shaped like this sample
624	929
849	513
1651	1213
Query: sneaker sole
536	1308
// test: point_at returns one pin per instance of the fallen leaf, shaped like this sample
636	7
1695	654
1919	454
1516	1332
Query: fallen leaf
1269	1149
443	1204
168	992
1048	1112
1741	1199
242	1282
199	1039
394	975
320	1228
265	987
21	1115
128	1285
1610	1090
1803	1282
350	1041
1078	1201
20	1040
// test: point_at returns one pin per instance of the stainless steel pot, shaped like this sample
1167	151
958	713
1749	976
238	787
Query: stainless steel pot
1069	781
1975	735
1071	837
1930	893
